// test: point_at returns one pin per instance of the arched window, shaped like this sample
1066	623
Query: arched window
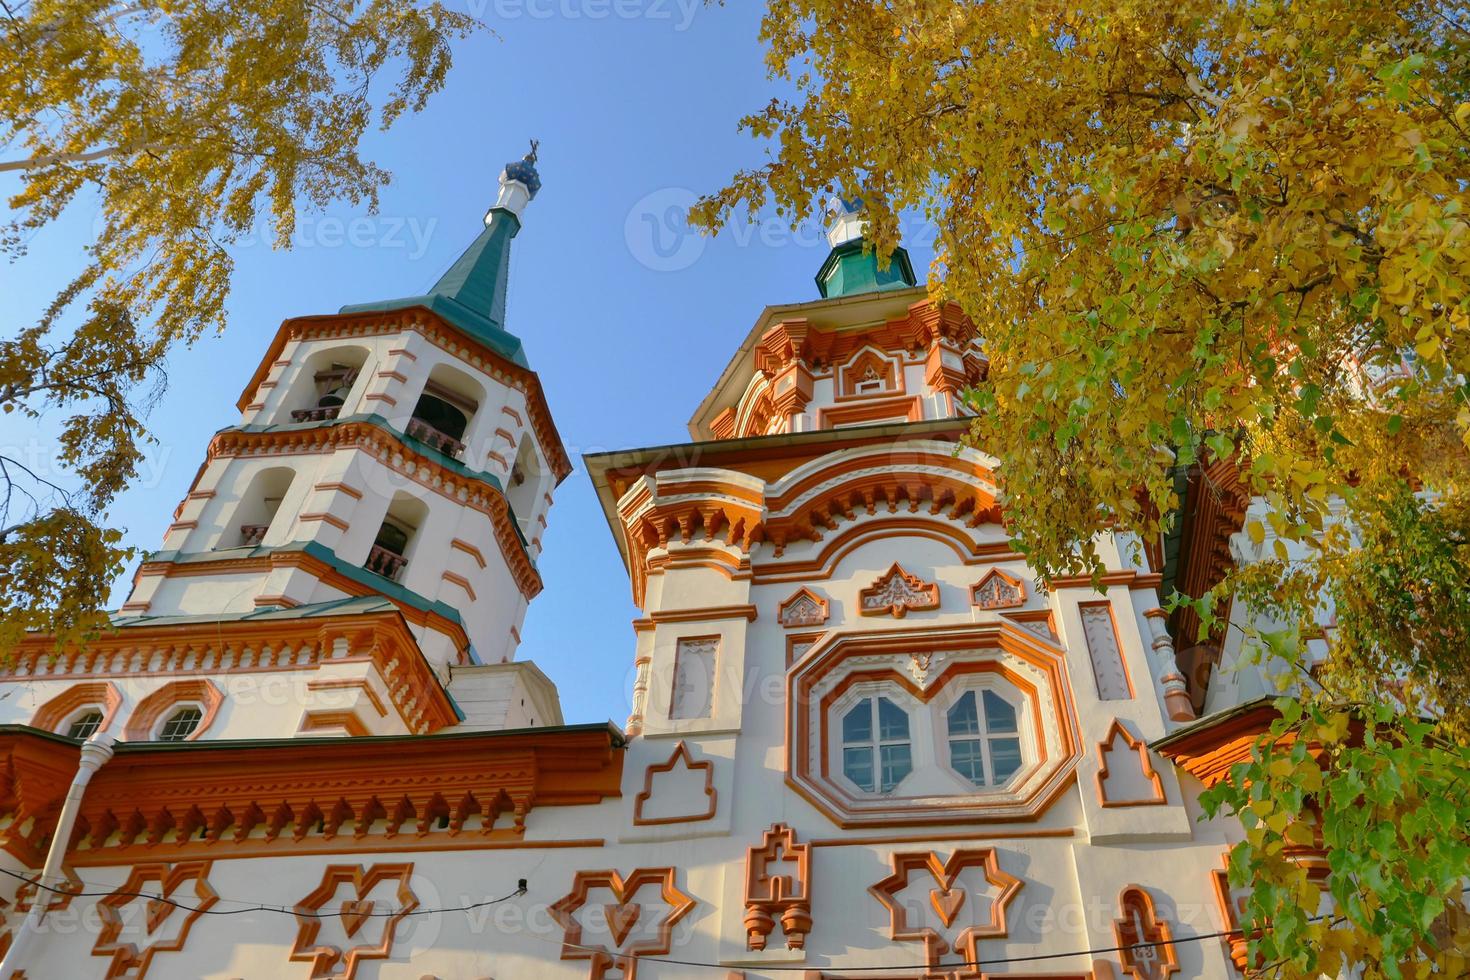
257	508
529	482
984	739
390	551
85	723
180	723
442	416
325	384
876	751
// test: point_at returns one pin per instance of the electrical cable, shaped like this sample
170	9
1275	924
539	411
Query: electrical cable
521	889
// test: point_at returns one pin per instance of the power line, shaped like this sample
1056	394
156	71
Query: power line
521	889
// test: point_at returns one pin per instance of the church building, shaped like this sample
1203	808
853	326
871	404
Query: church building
865	740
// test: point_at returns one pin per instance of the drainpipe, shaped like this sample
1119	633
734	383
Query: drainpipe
95	753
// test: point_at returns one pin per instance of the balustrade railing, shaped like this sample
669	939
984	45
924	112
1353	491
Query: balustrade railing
386	563
252	534
424	432
322	413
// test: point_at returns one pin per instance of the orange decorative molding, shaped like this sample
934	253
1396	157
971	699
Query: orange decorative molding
1100	633
803	608
681	759
623	916
1138	926
442	334
326	518
248	646
146	715
163	923
357	684
468	549
309	564
908	409
453	578
1232	913
998	590
359	915
1120	747
922	662
1208	748
1038	621
896	592
746	612
426	470
323	796
867	366
53	715
333	721
350	491
948	902
778	884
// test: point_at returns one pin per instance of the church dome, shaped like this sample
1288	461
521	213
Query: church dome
524	170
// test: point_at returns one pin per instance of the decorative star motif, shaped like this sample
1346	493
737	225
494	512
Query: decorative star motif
161	881
330	962
620	918
948	899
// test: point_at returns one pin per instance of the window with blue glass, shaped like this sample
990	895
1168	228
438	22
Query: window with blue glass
877	752
984	738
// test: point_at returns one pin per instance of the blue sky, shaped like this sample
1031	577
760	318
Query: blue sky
625	315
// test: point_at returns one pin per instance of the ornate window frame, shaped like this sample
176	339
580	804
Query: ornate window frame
146	718
57	714
932	668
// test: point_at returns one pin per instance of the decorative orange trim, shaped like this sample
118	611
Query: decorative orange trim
149	710
620	918
322	796
895	592
1137	925
1103	658
352	684
284	601
252	646
459	580
680	756
387	450
802	608
127	959
1132	579
313	566
468	549
910	409
50	716
513	414
331	519
746	612
181	526
986	835
1209	751
354	913
331	720
890	370
998	590
402	352
390	373
377	396
947	900
351	491
780	894
1105	749
803	701
510	440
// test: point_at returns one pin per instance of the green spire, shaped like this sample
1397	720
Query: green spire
471	294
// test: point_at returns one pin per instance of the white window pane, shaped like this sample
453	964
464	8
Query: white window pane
1005	757
857	724
965	757
893	721
999	715
897	763
857	765
963	719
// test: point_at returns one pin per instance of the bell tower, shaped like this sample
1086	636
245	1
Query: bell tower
400	449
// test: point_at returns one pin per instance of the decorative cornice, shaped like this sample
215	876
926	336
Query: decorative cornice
173	801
